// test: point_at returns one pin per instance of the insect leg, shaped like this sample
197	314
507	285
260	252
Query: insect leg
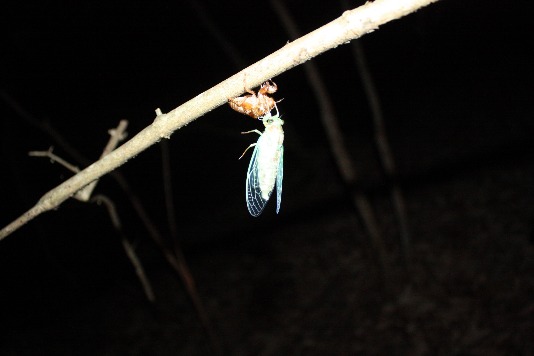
252	145
276	108
256	131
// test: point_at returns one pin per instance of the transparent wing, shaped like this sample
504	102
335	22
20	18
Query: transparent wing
279	177
255	201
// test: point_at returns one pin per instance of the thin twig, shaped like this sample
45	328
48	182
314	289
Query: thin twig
337	143
116	136
384	149
54	158
167	191
351	25
179	264
128	248
85	193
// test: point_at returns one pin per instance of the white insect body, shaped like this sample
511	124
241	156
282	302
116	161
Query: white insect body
266	166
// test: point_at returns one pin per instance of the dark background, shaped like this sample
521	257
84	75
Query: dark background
455	81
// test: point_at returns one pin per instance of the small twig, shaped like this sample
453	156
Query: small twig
351	25
381	139
384	149
178	261
128	248
168	192
337	143
85	193
54	158
116	136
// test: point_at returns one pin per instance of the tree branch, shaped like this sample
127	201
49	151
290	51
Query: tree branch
350	25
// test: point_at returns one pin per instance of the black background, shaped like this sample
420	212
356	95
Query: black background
455	81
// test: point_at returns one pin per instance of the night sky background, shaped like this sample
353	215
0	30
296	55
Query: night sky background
456	83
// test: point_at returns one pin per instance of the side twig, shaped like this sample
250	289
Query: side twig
54	158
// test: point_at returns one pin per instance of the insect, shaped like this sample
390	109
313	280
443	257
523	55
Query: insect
256	105
266	167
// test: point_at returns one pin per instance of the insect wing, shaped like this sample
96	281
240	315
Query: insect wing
279	177
255	201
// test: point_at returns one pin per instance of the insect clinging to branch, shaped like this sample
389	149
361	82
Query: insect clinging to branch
256	105
266	168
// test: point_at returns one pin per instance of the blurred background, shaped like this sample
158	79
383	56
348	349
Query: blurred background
455	83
